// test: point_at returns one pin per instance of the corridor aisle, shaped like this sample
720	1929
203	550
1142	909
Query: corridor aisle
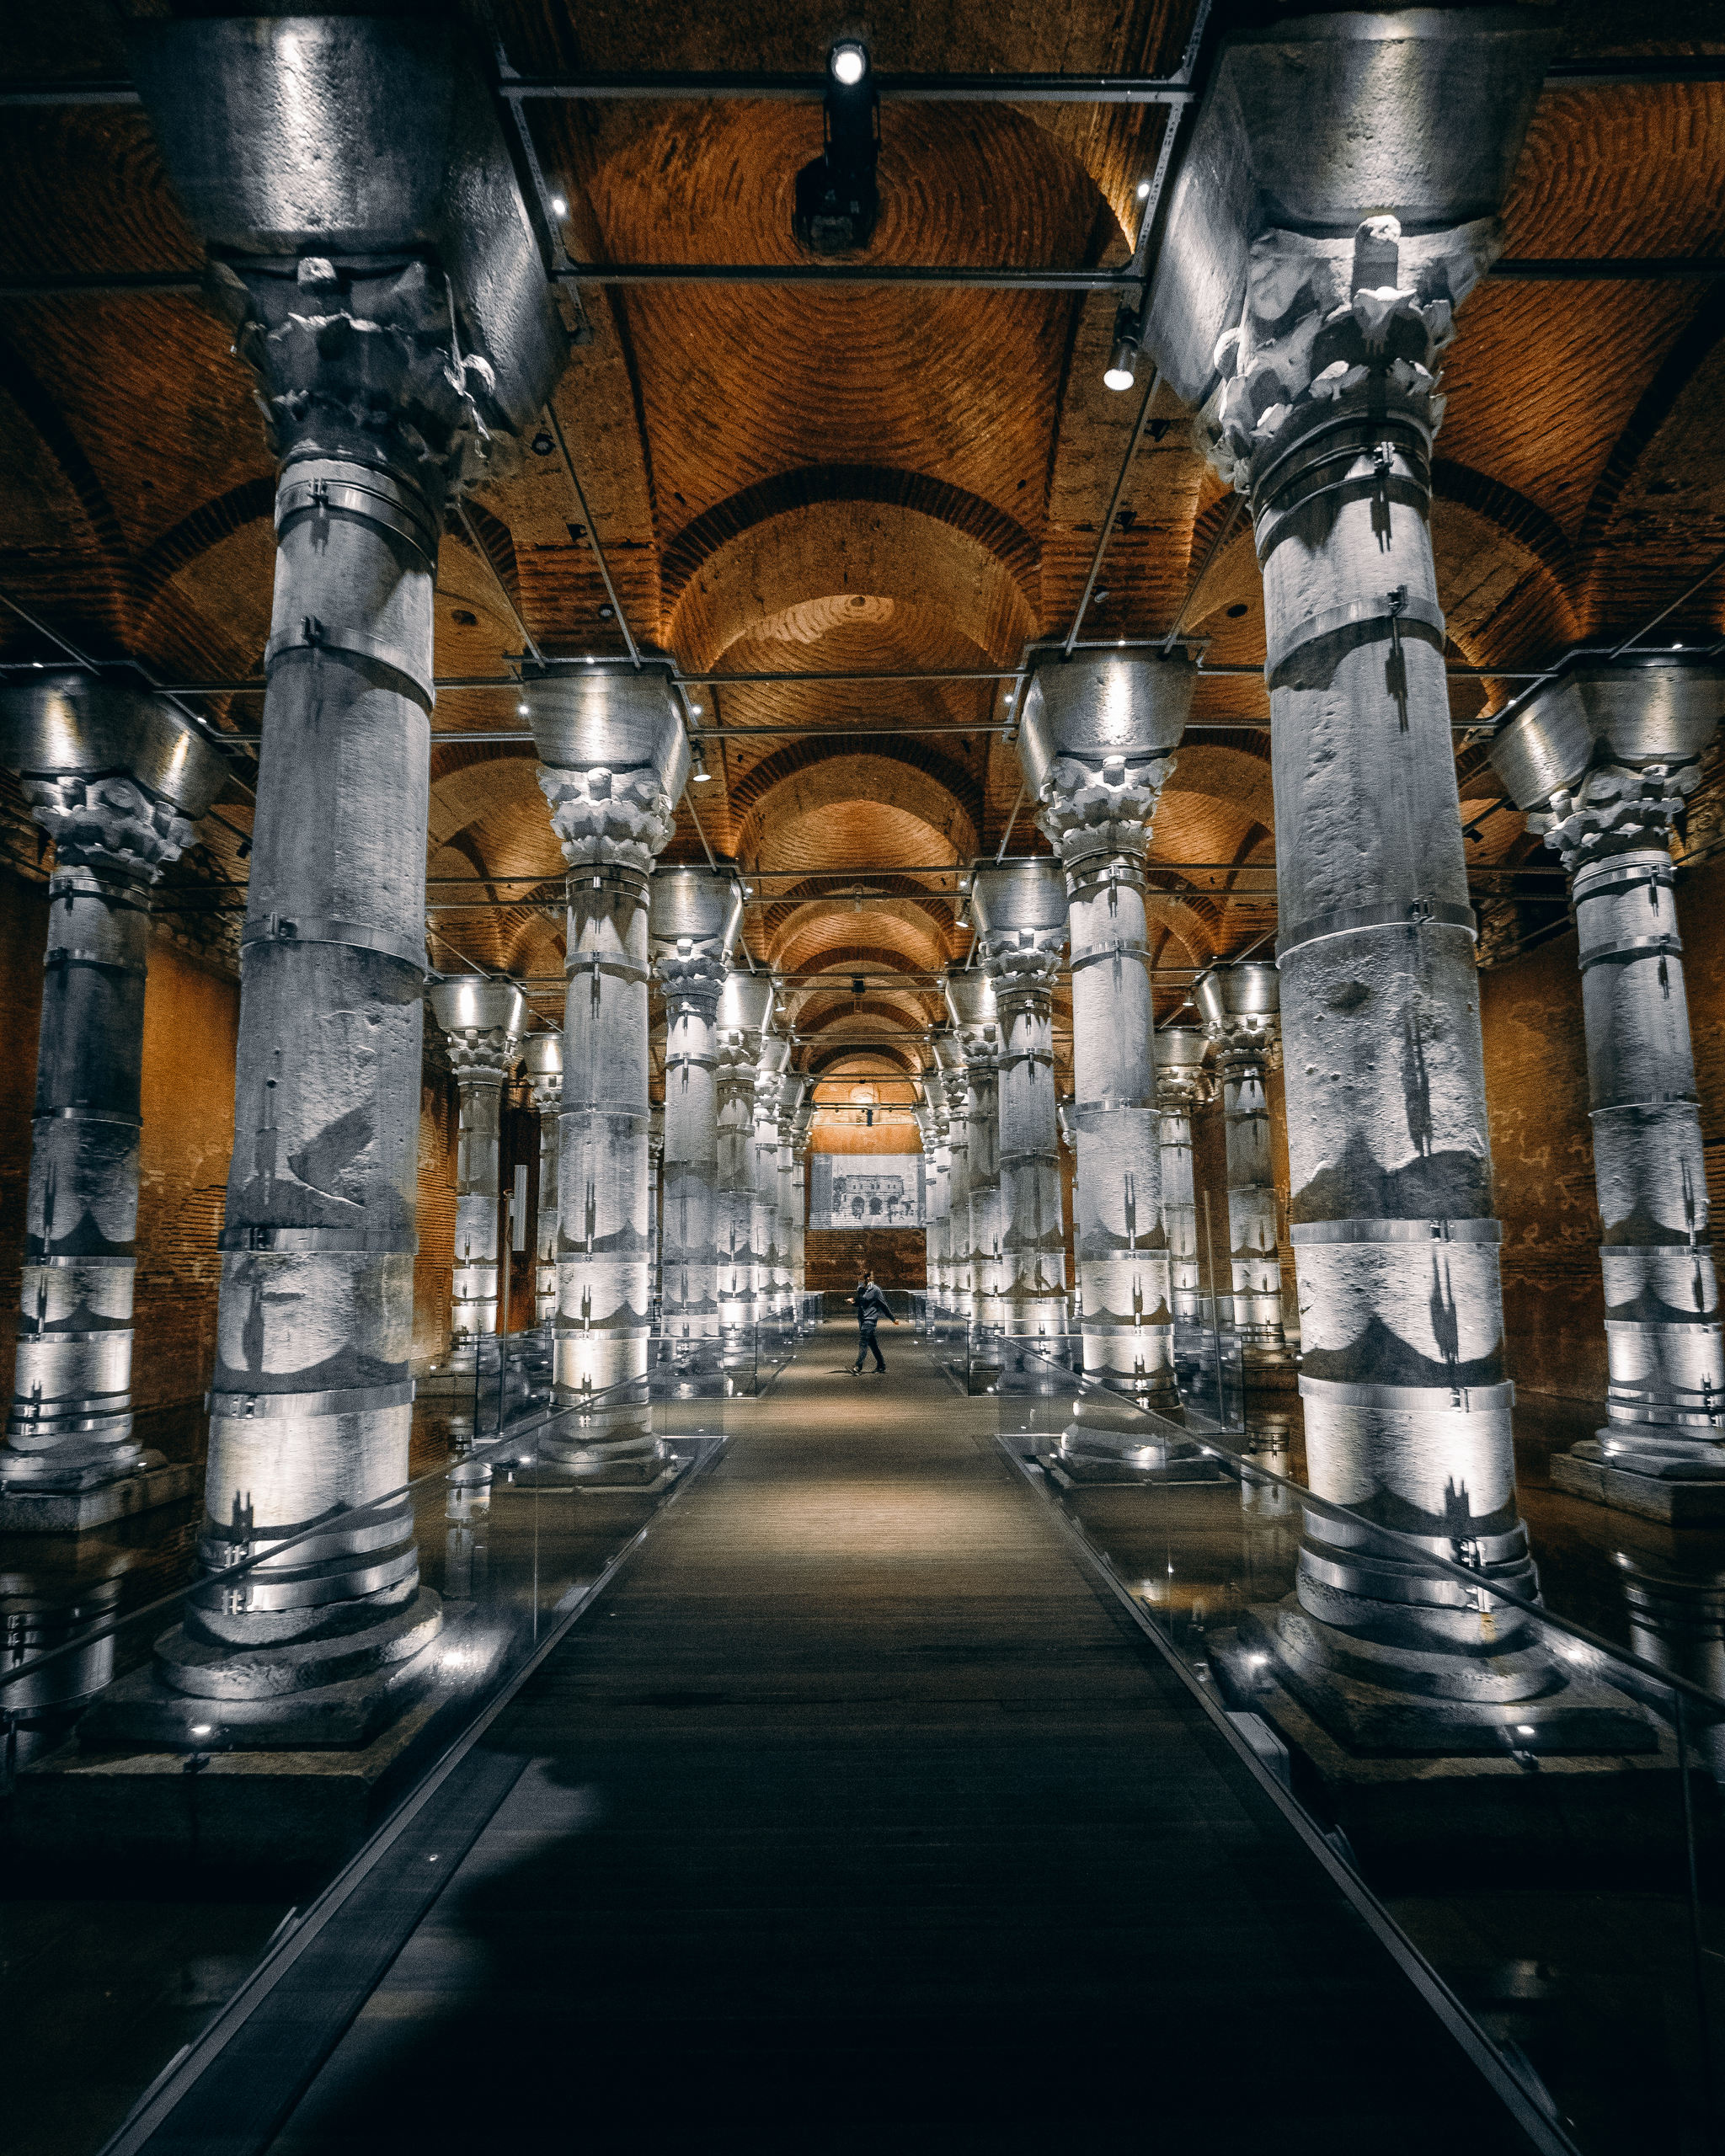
855	1816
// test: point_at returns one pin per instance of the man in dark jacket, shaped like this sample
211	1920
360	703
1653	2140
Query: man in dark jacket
871	1305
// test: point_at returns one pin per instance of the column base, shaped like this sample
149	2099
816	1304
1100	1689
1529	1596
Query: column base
1375	1697
1109	1441
316	1693
1673	1482
636	1462
76	1512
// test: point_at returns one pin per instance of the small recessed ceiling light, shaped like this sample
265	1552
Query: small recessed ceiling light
521	710
541	443
1144	190
695	708
559	208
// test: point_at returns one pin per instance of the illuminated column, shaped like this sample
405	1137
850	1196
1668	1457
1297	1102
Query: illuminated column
544	1056
744	1010
971	1008
695	914
483	1020
954	1080
385	293
1020	915
786	1273
775	1061
1605	758
116	778
927	1123
1240	1005
1097	741
1183	1084
802	1124
613	761
655	1200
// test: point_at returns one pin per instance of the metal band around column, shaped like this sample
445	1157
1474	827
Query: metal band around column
355	934
1396	1231
1437	1399
352	1400
1393	913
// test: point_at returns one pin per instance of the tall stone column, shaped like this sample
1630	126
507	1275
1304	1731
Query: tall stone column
613	761
1605	758
388	301
116	779
484	1020
934	1227
694	917
1097	739
744	1012
1020	915
1182	1084
1327	413
1239	1005
655	1200
543	1057
788	1211
802	1126
764	1235
970	1005
954	1085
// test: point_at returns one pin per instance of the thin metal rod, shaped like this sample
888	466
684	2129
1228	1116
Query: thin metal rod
1107	522
1705	577
897	89
1005	836
569	466
927	276
496	576
1210	552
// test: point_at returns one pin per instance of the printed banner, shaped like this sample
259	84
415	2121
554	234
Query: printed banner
853	1190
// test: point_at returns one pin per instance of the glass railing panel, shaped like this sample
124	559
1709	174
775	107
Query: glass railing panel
1553	1845
512	1531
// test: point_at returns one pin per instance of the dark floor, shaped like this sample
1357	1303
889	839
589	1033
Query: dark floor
856	1813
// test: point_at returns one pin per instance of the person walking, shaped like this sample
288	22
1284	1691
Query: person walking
871	1305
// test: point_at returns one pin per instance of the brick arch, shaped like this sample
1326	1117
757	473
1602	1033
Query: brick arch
807	776
892	549
936	907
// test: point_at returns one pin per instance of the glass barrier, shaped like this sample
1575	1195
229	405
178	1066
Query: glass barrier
111	1779
1544	1824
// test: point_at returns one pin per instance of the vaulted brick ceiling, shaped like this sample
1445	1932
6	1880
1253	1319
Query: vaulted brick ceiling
864	482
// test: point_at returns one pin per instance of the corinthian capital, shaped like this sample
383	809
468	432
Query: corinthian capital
604	816
107	823
1614	808
483	1020
1101	804
1240	1007
1361	326
692	980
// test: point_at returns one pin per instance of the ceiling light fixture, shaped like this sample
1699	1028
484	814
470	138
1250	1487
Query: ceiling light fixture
700	776
522	711
541	443
1144	190
837	202
559	208
1123	366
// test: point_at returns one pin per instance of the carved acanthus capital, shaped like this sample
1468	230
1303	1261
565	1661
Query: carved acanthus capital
486	1057
692	980
1087	808
604	816
1362	325
1181	1087
107	823
736	1065
546	1090
1615	808
347	360
1246	1039
1023	965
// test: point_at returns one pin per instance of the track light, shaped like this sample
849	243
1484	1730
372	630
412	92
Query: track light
700	776
837	202
1123	366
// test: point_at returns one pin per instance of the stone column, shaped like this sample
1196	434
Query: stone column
116	779
543	1057
933	1228
955	1084
1605	758
1182	1084
802	1124
613	761
1327	417
1021	914
1240	1005
970	1005
764	1232
694	917
388	299
786	1212
655	1202
485	1019
1097	741
744	1012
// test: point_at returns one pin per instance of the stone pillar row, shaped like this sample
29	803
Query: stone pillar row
116	778
744	1012
1239	1005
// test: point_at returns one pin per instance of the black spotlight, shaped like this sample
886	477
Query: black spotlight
837	200
541	443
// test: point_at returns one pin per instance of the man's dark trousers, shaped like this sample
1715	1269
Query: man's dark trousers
867	1345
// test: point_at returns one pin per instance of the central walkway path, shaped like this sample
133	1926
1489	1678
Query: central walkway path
855	1815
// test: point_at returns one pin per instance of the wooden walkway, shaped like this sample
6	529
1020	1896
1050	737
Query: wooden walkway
857	1816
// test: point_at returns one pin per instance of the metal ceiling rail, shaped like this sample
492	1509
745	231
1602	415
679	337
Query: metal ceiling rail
1612	72
1612	268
